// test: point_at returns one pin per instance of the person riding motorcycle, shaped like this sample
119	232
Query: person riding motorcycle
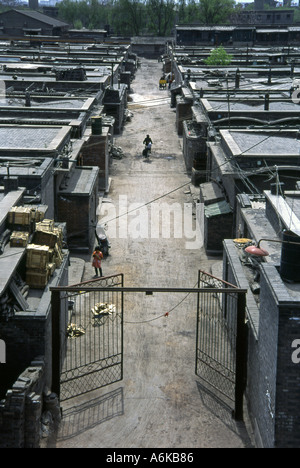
148	143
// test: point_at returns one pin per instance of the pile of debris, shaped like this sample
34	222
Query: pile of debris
116	152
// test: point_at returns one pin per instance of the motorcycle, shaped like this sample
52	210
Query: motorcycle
147	150
102	240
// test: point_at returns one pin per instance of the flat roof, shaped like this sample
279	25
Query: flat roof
279	142
213	105
45	103
28	166
82	181
33	138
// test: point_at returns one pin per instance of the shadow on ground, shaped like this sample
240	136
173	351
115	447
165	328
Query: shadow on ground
80	418
224	413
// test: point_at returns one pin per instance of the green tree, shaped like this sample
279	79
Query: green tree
218	56
127	17
90	13
78	24
68	11
215	11
161	16
188	11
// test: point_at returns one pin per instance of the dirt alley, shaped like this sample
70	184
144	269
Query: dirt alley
159	402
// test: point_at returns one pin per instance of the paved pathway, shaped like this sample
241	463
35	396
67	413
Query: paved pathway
159	403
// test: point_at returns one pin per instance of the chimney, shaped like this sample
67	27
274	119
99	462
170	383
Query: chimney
10	184
267	102
290	257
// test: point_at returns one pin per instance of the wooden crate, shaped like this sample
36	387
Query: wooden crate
59	233
45	238
57	255
38	256
45	225
38	215
51	268
19	239
20	215
37	279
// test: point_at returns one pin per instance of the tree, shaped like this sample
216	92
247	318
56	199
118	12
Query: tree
188	11
135	11
161	15
218	56
127	17
215	11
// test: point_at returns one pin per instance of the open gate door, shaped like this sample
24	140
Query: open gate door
87	336
221	348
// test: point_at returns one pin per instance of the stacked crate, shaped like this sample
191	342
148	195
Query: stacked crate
21	220
38	265
48	234
44	255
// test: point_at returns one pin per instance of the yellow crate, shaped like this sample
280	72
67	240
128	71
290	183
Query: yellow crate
59	232
38	215
45	225
45	238
51	268
19	239
57	255
37	279
38	256
20	215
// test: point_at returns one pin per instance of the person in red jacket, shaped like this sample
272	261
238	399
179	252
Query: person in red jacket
97	257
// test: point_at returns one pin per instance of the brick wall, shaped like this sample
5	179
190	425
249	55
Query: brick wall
94	152
79	210
183	112
194	146
262	367
217	228
273	379
28	334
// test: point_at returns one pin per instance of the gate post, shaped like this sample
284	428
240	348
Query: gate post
240	356
56	347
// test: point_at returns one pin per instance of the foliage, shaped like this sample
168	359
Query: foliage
188	11
135	17
161	16
215	11
218	56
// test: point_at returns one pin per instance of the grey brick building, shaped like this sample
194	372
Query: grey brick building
273	315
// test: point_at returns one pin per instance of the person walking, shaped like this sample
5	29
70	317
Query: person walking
96	263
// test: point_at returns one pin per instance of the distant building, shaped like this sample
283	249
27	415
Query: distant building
263	17
18	23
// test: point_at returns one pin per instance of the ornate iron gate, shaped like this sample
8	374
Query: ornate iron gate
87	336
221	340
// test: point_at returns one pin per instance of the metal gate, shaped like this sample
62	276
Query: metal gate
221	340
87	336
